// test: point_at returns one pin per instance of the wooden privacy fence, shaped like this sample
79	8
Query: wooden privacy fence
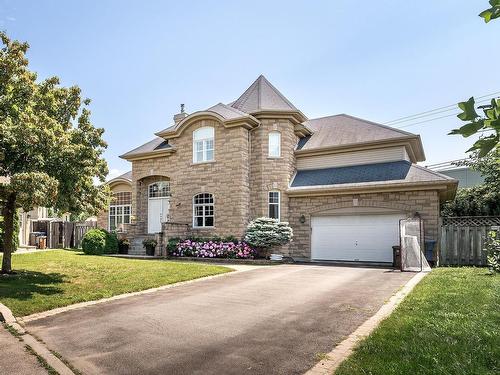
79	231
463	245
61	234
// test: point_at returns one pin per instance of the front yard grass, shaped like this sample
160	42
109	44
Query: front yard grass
51	279
449	324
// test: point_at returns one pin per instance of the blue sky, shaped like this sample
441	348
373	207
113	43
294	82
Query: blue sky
379	60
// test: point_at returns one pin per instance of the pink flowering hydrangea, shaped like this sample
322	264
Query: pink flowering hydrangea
211	249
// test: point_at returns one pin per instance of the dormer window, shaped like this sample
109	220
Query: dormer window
274	145
203	144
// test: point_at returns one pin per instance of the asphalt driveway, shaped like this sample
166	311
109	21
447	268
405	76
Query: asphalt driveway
271	320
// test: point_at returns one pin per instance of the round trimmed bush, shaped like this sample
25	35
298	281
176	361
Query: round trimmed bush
94	242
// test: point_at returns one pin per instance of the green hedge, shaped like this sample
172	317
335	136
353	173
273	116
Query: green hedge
99	241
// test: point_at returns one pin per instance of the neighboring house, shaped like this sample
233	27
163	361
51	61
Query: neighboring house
343	183
26	219
466	176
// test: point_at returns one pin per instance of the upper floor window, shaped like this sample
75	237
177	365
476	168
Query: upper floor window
203	144
275	144
203	210
274	204
159	189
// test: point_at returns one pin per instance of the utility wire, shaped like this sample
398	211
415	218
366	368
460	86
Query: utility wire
435	111
428	120
431	114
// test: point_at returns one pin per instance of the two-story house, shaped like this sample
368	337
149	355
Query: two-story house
342	183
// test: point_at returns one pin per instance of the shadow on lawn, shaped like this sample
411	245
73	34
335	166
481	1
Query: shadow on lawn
24	284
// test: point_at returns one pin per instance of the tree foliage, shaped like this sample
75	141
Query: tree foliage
491	13
481	200
50	153
490	120
476	123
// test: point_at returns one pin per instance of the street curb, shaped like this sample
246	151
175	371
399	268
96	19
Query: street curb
38	347
59	310
343	350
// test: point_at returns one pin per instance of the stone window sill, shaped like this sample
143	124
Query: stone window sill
203	163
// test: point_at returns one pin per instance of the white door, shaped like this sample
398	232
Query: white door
363	238
157	213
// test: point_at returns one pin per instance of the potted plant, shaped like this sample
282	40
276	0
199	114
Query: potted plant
150	245
123	245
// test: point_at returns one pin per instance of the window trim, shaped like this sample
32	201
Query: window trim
269	203
195	226
122	215
204	149
269	144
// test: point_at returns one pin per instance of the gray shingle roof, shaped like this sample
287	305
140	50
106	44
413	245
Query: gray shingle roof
153	145
343	129
367	174
125	176
353	174
227	112
262	96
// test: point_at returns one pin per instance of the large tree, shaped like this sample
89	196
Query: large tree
489	122
50	153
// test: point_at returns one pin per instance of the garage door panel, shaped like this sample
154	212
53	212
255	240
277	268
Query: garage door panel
366	238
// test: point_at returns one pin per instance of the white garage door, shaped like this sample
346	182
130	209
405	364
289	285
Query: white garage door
367	238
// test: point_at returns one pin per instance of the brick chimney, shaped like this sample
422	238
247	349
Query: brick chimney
180	116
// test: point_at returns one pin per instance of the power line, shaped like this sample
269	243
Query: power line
435	111
432	114
428	120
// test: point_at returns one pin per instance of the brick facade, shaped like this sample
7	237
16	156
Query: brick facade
271	174
426	203
227	178
240	178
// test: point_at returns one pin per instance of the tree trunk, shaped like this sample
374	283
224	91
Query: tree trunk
8	212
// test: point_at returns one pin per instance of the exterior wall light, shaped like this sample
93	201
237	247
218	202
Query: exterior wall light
302	219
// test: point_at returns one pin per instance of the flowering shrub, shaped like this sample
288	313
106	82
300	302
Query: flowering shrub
212	249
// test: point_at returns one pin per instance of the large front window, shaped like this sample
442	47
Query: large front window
203	210
274	204
120	210
203	145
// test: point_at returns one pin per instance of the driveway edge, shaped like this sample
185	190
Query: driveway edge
346	347
38	347
59	310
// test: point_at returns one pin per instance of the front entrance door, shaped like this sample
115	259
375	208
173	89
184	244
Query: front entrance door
157	213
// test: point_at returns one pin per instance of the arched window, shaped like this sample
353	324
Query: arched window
274	145
203	144
159	189
203	210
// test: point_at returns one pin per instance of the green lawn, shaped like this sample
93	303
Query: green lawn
449	324
51	279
